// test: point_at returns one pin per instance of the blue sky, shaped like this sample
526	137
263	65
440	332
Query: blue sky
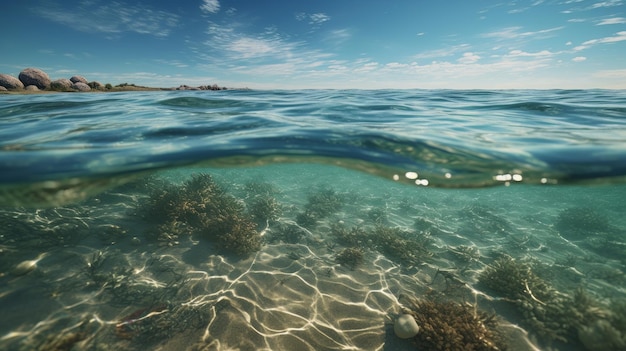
321	44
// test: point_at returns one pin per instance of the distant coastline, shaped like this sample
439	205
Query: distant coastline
36	81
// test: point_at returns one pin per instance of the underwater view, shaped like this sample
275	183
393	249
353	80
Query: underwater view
313	220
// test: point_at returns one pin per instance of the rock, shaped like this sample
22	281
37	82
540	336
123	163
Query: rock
34	76
96	85
32	88
406	327
78	79
62	84
10	82
3	88
80	86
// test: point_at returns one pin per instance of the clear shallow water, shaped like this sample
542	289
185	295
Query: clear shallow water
87	264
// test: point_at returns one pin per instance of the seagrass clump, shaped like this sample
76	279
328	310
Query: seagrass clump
320	205
201	207
350	257
448	326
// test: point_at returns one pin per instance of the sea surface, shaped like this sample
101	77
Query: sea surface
313	220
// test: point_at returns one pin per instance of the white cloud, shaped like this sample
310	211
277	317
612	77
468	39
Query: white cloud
612	73
514	33
619	36
210	6
613	20
609	3
313	18
468	57
579	59
366	67
112	18
251	47
317	18
520	53
439	53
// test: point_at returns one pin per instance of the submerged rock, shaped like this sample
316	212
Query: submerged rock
35	76
406	327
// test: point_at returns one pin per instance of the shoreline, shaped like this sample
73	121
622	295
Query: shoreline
35	81
113	90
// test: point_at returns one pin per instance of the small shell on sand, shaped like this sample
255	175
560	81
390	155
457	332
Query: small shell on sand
27	266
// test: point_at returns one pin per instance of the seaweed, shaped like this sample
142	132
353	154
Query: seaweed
320	205
200	206
551	315
447	326
264	209
401	245
350	257
287	233
348	236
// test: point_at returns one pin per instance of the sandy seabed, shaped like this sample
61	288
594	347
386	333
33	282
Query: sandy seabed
87	278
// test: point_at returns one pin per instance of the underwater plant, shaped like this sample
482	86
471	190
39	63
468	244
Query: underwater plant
320	205
465	253
263	209
348	236
447	326
206	210
552	315
515	280
401	245
350	257
287	233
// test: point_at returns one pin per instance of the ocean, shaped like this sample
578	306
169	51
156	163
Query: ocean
313	220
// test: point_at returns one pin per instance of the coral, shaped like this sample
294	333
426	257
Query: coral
515	280
319	206
263	209
452	326
205	209
400	245
351	257
348	237
465	253
286	232
551	315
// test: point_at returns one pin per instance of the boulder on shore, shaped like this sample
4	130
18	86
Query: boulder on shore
34	76
10	82
80	86
62	84
96	85
78	79
31	88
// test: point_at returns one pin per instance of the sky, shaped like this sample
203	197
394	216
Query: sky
321	44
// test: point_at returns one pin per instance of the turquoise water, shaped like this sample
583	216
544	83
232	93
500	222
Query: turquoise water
309	220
